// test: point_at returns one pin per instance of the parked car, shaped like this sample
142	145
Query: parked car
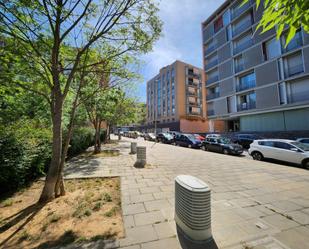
222	145
199	137
303	140
187	140
245	139
165	138
212	135
150	137
282	150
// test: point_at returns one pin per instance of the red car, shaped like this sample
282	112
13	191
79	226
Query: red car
199	137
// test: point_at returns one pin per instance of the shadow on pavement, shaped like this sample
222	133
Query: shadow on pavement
187	243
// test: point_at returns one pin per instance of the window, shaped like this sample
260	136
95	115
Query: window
296	42
282	145
271	49
293	64
246	82
218	24
226	18
239	64
267	143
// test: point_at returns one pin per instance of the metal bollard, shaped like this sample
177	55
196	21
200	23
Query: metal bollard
133	148
119	137
140	157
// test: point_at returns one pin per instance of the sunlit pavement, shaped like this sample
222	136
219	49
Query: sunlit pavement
254	204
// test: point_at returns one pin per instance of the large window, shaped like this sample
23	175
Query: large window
218	24
271	49
246	82
246	101
293	65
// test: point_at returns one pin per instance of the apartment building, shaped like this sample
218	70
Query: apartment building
176	100
253	81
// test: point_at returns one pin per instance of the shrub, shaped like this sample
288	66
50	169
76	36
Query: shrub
25	154
82	139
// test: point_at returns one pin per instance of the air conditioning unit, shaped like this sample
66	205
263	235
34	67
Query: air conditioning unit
192	207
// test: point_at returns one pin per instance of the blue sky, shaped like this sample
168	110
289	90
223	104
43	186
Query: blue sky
181	37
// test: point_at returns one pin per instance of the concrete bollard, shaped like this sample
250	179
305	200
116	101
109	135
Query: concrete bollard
133	148
140	157
119	137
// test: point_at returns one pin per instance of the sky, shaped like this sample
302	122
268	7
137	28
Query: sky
181	37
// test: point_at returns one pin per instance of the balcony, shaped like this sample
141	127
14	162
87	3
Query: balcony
245	86
211	64
297	69
295	43
298	97
210	112
210	49
212	79
242	28
240	9
239	67
242	46
192	74
246	106
212	96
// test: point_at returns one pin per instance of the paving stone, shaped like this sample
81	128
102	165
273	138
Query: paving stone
141	198
300	217
157	205
296	238
138	235
133	209
128	221
150	190
280	221
148	218
165	229
171	243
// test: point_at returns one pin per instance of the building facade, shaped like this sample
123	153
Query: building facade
253	81
176	100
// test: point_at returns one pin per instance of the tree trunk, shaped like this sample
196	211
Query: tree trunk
97	148
48	192
107	135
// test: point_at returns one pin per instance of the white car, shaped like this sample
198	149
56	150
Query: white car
280	149
303	140
213	136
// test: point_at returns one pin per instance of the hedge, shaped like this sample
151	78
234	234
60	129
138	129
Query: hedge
25	152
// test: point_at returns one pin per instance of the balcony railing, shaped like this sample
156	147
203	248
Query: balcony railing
242	28
210	113
298	97
239	67
212	96
211	64
243	46
295	43
240	9
291	71
246	85
246	106
194	75
212	79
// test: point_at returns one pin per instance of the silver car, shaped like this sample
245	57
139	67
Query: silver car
280	149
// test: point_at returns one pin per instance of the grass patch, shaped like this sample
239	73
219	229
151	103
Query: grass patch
111	212
7	203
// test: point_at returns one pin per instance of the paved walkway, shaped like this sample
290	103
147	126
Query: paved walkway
254	204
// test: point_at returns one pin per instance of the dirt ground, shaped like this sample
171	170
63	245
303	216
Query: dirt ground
90	210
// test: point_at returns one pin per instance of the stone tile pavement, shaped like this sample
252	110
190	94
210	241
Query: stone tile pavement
254	204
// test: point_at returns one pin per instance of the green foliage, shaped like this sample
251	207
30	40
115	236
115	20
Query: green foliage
281	14
25	153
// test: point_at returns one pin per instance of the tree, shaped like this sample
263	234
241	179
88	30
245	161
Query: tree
55	40
293	14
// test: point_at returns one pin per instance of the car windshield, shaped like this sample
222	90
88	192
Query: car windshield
224	140
191	137
302	146
167	135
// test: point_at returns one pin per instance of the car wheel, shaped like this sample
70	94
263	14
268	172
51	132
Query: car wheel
305	164
190	146
203	147
257	156
225	152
